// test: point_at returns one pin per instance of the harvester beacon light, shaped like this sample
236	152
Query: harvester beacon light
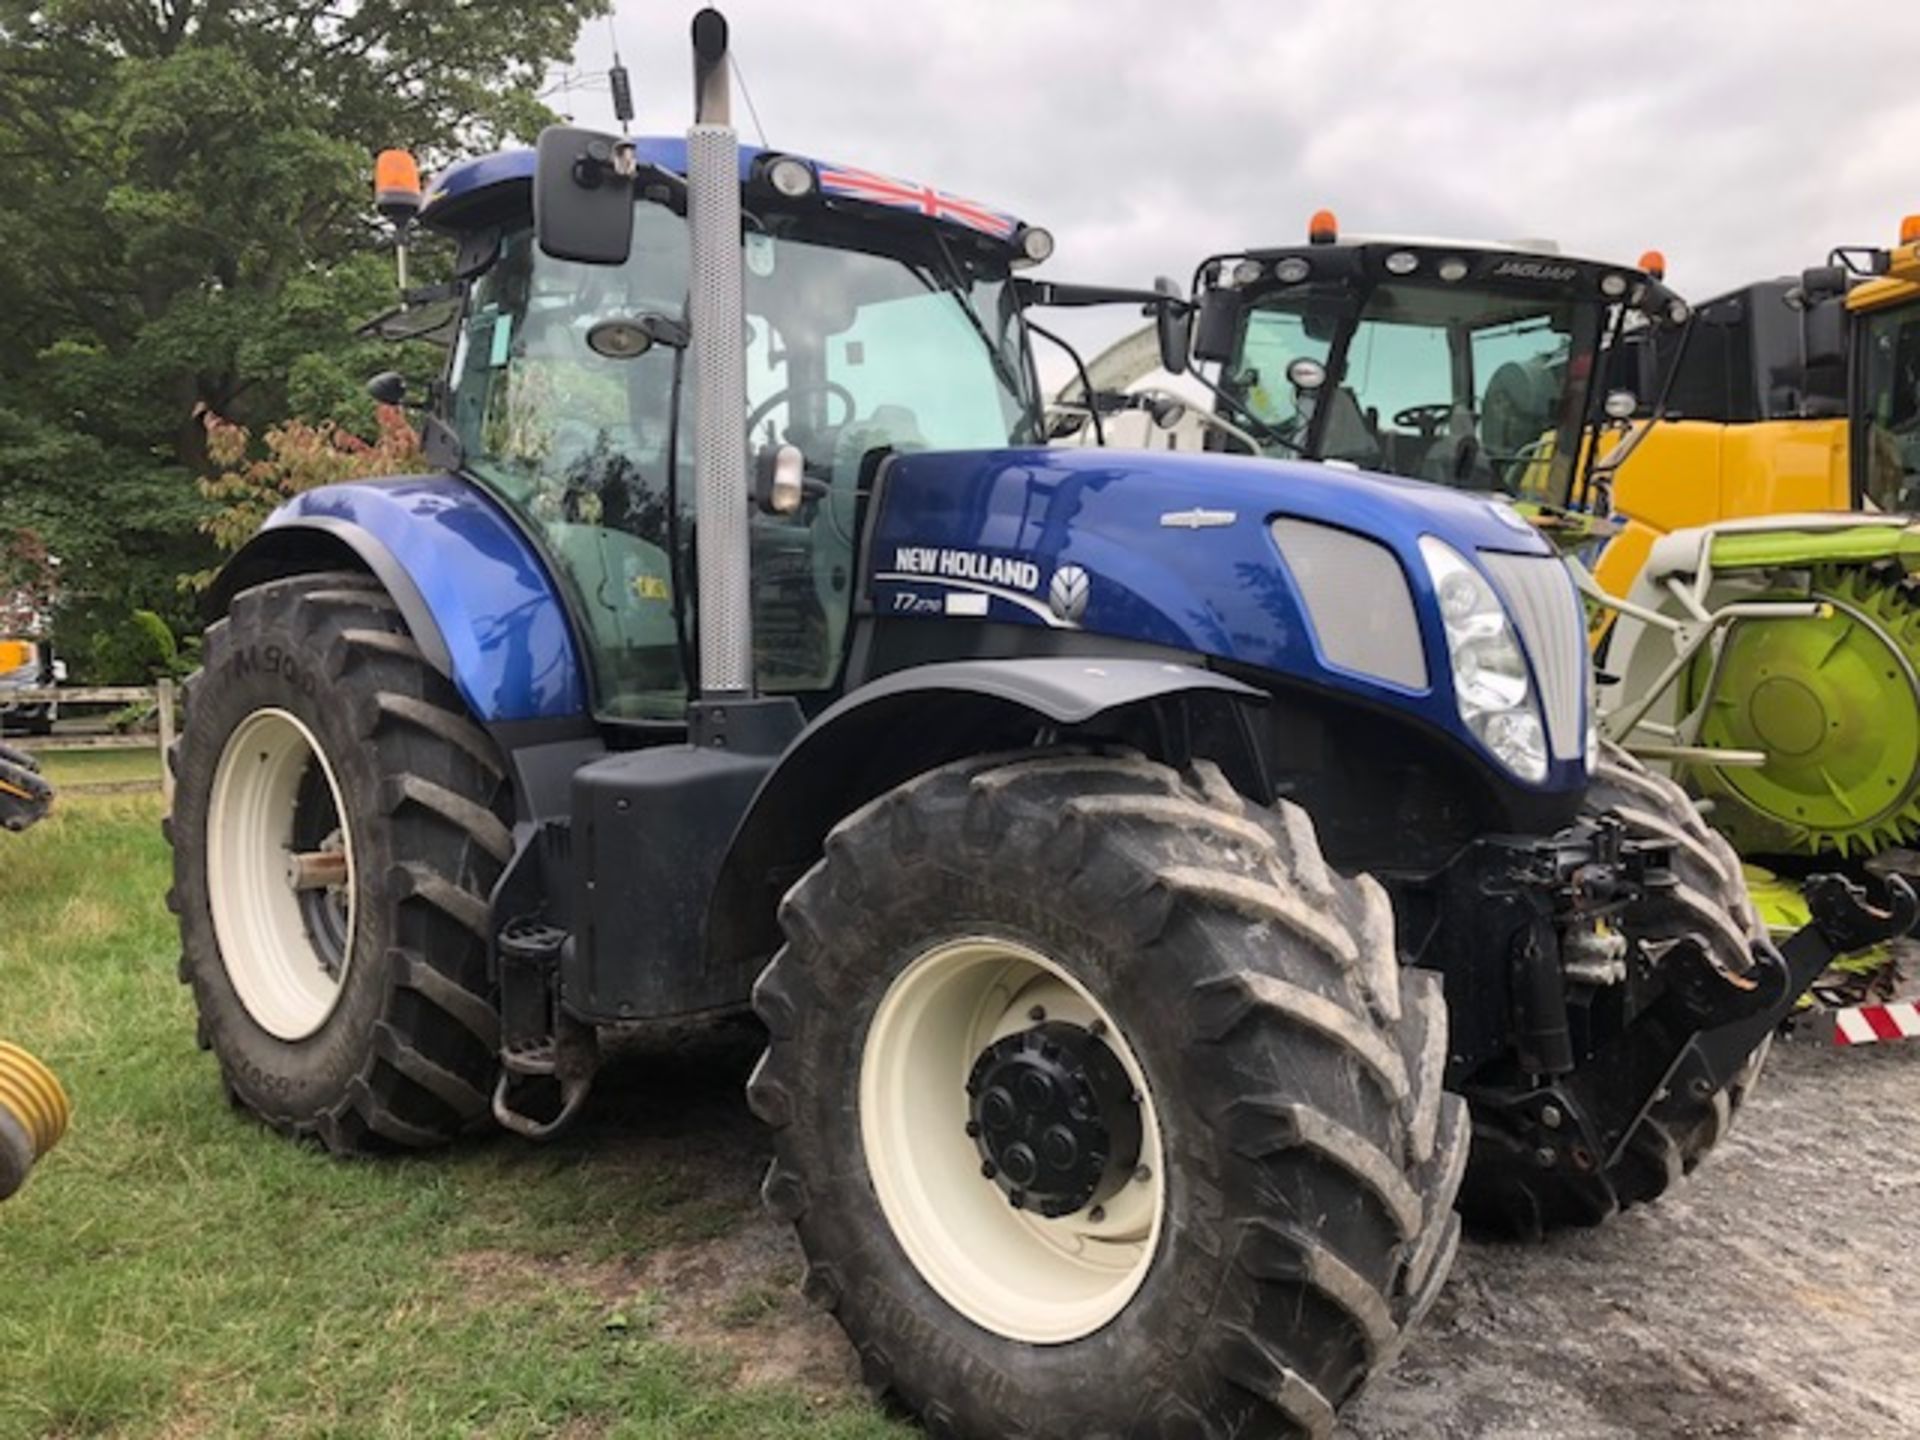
790	177
1655	264
1453	269
1910	230
1292	269
1322	228
1402	262
1490	681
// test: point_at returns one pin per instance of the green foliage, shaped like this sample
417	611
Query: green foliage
118	647
295	456
185	224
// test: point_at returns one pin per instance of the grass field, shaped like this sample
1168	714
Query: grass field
174	1270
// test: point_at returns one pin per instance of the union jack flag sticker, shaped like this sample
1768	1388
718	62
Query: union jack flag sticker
905	195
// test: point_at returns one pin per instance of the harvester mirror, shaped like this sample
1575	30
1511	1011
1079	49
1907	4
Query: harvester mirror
1218	328
1818	282
1173	319
583	195
389	387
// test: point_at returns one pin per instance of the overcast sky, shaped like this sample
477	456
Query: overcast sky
1743	139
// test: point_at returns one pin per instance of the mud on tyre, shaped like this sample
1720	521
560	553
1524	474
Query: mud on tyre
1250	1251
1505	1193
359	1012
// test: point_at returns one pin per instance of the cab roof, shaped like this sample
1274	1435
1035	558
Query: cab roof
482	191
1532	264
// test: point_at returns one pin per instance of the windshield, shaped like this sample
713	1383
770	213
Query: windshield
851	349
1477	389
1891	408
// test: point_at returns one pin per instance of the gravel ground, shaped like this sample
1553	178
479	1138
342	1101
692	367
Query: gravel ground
1770	1295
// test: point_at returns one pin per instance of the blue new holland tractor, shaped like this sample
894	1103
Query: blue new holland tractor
1103	839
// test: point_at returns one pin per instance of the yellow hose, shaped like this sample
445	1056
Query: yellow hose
33	1115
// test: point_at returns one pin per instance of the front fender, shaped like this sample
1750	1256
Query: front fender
901	725
475	594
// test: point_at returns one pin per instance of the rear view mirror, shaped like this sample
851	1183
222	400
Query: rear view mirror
1819	282
583	195
1173	318
1219	325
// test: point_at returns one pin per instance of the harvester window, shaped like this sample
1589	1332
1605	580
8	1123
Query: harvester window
1892	409
1471	388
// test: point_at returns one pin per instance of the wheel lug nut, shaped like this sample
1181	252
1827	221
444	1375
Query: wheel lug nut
1143	1174
1016	1198
989	1169
1037	1014
1097	1029
1097	1214
973	1129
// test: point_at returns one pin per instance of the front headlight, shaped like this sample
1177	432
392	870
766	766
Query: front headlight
1490	681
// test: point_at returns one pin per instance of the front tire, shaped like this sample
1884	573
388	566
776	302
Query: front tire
355	1005
1252	1251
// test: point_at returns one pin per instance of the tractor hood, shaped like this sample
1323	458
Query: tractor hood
1307	572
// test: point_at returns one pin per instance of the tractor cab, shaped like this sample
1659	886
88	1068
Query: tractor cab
1474	366
880	318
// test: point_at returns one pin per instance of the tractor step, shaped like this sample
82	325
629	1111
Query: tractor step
547	1059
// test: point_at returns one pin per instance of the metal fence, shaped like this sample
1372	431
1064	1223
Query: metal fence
162	696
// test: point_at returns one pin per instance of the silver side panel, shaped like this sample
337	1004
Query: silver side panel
1358	601
720	397
1546	609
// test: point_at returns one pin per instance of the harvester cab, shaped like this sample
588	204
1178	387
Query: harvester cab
1475	366
1767	645
1134	859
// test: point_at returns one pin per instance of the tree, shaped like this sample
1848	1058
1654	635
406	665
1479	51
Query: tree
185	225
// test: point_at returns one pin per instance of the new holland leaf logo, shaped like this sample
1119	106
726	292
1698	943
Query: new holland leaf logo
1067	593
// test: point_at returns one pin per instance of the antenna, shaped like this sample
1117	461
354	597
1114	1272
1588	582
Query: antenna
622	85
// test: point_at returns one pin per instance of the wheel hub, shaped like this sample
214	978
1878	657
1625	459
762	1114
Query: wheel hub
1055	1117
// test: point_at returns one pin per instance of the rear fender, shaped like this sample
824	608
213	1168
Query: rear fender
902	725
475	594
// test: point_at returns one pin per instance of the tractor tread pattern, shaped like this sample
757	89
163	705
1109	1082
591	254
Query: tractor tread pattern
1286	977
426	1071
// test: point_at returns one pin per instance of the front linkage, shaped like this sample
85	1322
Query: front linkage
1609	1027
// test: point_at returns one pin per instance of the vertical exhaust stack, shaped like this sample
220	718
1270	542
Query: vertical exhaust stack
718	312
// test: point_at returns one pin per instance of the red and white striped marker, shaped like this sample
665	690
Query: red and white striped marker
1871	1024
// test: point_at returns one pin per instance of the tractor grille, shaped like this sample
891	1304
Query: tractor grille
1546	609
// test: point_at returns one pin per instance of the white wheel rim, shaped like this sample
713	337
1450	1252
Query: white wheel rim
271	957
1009	1271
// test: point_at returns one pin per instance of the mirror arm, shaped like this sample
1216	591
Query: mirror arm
1080	368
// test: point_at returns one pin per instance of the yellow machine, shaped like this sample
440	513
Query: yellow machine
1767	640
33	1115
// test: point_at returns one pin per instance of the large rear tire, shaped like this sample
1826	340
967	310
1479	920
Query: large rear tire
1276	1206
357	1010
1505	1192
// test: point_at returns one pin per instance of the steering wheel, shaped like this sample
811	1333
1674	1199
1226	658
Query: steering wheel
1427	419
785	396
